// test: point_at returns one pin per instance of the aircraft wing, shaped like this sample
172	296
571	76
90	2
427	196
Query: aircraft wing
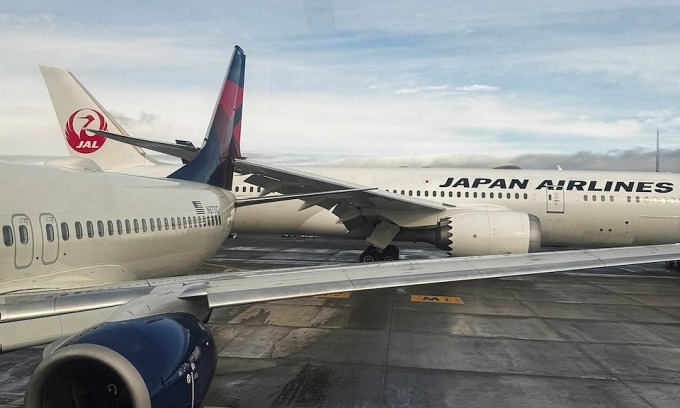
39	318
289	181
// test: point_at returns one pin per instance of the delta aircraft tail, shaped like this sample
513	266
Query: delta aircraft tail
215	161
77	110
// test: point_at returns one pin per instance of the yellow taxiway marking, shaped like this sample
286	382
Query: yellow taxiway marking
340	295
437	299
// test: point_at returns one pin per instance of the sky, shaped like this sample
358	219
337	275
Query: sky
580	84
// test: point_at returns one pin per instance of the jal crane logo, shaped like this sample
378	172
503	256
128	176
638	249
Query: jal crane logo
78	137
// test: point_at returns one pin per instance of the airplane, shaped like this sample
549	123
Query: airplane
89	264
463	211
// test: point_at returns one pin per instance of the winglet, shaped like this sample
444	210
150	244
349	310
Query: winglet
215	162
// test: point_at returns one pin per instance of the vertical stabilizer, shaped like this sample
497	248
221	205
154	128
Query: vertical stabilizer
78	110
214	163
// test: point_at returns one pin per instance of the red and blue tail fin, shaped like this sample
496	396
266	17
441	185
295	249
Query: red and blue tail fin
215	162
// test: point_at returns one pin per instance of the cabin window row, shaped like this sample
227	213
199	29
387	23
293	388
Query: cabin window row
460	194
245	189
121	226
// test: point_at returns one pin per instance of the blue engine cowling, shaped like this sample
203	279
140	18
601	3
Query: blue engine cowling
161	361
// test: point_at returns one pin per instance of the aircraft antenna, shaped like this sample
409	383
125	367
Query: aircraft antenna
657	151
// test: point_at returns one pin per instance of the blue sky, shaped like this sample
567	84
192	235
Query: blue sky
330	79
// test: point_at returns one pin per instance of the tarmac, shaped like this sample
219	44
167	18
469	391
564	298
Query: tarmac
600	338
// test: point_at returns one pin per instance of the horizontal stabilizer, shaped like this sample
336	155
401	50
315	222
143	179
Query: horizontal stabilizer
183	151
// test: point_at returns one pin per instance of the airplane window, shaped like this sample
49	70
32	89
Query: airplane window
128	227
410	192
516	196
474	195
483	195
426	193
90	229
611	199
100	228
467	194
526	196
509	196
158	223
23	234
109	224
195	223
49	232
594	197
152	226
450	194
64	231
259	189
119	226
458	194
143	224
403	192
172	220
602	198
637	199
252	189
585	197
135	224
179	223
490	195
184	222
7	235
442	194
205	223
79	230
219	219
167	224
628	199
418	193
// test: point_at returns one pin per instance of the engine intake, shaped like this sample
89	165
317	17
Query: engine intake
162	361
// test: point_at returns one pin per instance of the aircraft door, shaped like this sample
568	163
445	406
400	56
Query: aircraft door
554	201
50	238
23	241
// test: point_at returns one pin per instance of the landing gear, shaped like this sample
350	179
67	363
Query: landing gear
373	254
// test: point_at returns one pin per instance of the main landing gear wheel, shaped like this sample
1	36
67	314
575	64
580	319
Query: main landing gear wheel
373	254
391	253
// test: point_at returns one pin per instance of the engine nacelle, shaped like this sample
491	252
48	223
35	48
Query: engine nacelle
489	233
162	361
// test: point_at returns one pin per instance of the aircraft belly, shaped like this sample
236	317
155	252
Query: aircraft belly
284	218
657	230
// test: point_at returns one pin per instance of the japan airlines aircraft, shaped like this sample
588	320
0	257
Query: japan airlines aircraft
463	211
87	263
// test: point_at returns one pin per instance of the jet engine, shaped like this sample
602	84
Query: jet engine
162	361
488	233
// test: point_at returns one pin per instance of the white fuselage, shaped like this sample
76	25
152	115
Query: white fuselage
65	228
576	208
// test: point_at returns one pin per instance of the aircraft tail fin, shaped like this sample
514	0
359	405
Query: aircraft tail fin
215	161
77	110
